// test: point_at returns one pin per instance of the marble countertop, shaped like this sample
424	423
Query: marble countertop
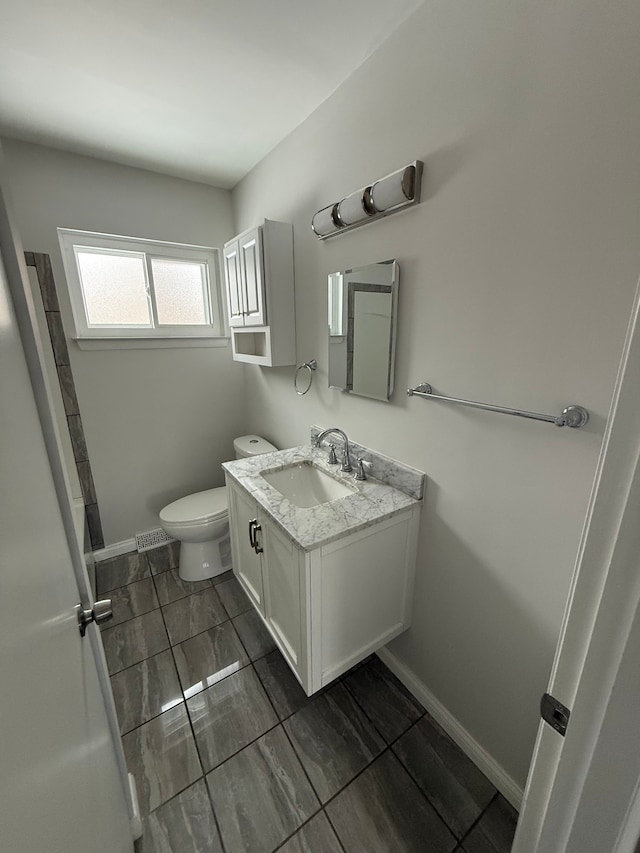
311	527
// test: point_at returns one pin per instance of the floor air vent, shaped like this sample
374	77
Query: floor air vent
152	539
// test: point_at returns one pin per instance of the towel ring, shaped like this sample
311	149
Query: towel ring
310	366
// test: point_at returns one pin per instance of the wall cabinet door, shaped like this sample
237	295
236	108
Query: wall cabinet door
233	279
250	253
247	564
281	562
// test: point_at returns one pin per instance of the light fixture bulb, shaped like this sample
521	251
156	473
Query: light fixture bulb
397	188
351	209
325	222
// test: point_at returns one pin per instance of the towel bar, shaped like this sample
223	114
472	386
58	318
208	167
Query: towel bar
572	416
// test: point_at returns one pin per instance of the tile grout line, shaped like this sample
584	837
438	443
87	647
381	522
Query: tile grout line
322	805
184	699
304	769
419	786
154	716
146	657
216	624
387	748
195	741
426	796
267	731
345	681
479	818
144	817
333	827
364	770
151	576
198	634
392	743
250	663
186	707
108	627
346	785
272	728
280	722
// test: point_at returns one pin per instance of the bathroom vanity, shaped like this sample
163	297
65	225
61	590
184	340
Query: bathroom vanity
327	562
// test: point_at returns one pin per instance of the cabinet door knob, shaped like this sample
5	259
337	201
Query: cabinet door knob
252	526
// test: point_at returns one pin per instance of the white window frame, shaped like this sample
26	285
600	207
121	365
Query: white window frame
163	335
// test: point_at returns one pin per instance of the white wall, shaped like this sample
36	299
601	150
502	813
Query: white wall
158	422
517	276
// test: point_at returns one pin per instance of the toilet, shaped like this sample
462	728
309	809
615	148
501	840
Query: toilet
200	522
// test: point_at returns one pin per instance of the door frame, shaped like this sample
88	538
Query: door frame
568	797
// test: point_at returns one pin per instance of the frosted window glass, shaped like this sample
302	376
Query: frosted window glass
179	287
114	288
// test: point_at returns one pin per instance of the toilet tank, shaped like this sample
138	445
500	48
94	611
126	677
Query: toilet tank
251	445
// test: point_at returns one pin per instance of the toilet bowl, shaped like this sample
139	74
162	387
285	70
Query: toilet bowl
200	522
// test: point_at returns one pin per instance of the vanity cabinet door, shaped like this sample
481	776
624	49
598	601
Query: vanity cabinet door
250	252
232	275
247	564
284	595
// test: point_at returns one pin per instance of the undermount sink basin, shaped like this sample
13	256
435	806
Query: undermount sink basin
305	485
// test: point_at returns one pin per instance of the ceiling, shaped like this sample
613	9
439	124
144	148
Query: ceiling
201	89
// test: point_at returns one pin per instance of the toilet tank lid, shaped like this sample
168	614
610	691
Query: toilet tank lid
252	445
201	506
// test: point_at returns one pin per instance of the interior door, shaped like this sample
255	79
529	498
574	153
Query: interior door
233	281
61	784
583	789
250	248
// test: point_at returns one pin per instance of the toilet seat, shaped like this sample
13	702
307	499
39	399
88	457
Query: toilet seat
197	509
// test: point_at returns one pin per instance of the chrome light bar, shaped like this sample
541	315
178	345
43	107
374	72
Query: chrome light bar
394	192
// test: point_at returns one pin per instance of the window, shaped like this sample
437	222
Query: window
128	289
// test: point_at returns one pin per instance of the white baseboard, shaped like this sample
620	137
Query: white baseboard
496	774
114	550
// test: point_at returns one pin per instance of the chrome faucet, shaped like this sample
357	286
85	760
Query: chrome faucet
346	461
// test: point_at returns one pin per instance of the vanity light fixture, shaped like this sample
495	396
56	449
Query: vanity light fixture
394	192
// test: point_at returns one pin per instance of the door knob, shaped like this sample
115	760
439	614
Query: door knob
101	611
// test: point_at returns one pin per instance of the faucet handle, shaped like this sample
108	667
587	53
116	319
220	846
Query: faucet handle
333	459
361	463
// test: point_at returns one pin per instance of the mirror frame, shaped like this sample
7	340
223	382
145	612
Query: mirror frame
345	311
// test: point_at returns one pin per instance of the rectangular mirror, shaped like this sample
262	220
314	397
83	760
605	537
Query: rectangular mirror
362	329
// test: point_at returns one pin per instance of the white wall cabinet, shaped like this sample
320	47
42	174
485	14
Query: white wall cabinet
258	269
328	608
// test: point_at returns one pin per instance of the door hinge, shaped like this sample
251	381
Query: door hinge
554	713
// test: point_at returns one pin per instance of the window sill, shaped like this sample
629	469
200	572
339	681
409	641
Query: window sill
150	343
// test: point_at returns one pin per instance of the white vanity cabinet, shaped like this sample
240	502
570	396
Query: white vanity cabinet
330	607
258	270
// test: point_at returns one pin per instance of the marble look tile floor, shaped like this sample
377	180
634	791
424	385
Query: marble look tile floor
231	756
